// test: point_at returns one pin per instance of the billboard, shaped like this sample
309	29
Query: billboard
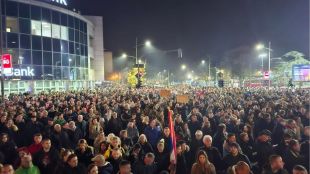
6	63
301	72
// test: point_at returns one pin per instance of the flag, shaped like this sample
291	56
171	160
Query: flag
173	155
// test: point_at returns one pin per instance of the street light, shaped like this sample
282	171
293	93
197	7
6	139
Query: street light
148	43
262	56
260	47
124	55
183	67
203	62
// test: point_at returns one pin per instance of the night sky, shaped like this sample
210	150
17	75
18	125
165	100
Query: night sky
202	27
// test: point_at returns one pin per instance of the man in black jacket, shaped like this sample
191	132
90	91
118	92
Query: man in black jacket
234	156
292	156
147	166
213	153
275	166
263	148
46	159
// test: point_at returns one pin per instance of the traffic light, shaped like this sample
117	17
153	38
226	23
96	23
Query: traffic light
221	83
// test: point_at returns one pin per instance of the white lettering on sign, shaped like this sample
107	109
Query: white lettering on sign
23	72
63	2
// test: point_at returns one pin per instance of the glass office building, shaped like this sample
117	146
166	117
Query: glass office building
49	46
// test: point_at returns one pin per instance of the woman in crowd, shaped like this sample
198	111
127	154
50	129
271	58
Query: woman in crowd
202	164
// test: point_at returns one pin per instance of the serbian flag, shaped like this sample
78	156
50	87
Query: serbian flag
173	155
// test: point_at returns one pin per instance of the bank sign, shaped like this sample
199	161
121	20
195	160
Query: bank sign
59	2
23	72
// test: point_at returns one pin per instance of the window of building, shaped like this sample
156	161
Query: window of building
47	44
12	25
37	57
56	59
24	10
24	26
72	60
77	49
64	19
11	8
46	29
36	27
55	17
56	45
71	34
48	73
77	36
76	24
12	40
36	43
71	48
47	58
65	60
78	61
38	71
24	57
25	41
64	33
64	46
70	21
35	13
46	15
56	31
65	73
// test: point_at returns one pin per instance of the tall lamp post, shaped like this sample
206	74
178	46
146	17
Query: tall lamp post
137	62
261	47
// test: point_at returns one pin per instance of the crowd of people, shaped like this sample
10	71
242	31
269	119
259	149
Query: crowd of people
119	130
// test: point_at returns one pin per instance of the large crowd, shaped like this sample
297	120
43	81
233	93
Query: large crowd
118	130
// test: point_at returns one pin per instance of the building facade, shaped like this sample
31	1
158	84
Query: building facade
52	47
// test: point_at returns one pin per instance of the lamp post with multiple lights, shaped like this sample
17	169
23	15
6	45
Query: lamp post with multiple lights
261	47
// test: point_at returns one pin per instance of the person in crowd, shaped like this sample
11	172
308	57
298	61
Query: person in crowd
104	167
7	148
73	166
7	169
146	147
195	144
292	156
152	133
47	158
125	141
161	157
64	154
235	156
36	146
264	148
147	166
124	167
167	140
202	164
132	131
84	152
304	149
298	169
60	137
115	159
213	153
74	134
98	140
231	138
206	127
32	127
82	125
220	137
240	168
135	154
93	130
194	124
181	163
114	125
92	169
276	166
283	146
246	147
27	166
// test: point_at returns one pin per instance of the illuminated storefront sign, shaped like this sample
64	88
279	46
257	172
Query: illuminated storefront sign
28	72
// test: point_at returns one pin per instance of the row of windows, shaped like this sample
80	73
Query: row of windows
46	29
48	73
27	57
24	41
22	10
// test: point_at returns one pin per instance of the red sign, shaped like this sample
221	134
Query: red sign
266	75
6	60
